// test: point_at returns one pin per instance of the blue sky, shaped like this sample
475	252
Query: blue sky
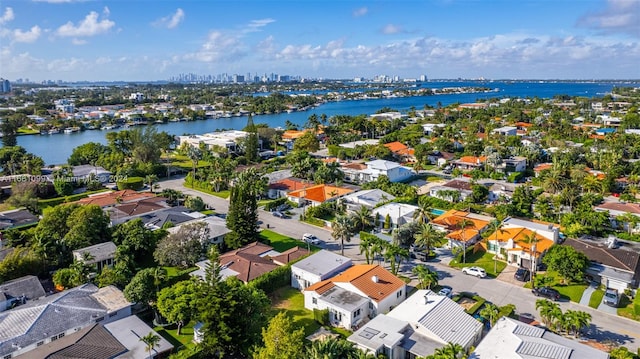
139	40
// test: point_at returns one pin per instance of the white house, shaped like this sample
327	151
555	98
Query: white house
99	255
366	198
362	291
430	128
506	131
513	164
510	338
393	170
217	228
399	213
316	268
548	230
417	327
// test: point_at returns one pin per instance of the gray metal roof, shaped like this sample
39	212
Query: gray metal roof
449	322
28	286
323	263
98	252
543	350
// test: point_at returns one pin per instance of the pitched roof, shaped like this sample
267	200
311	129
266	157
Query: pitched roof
396	146
290	255
29	286
599	253
459	185
113	198
320	193
16	217
96	343
633	208
373	280
247	262
98	252
290	184
519	237
472	159
451	219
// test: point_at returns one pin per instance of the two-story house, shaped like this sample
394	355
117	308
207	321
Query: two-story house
362	291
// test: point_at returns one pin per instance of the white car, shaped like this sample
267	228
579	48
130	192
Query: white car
446	292
475	271
310	238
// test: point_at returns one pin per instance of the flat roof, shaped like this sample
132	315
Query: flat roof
322	262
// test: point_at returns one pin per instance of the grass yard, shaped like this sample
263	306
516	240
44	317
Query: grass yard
480	259
627	307
281	243
291	301
185	163
179	342
596	298
208	212
222	194
571	291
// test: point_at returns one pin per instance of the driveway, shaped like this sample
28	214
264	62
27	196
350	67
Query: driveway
607	309
507	276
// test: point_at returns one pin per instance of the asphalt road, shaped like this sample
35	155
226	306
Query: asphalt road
606	328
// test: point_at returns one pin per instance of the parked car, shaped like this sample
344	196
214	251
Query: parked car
310	238
546	292
522	274
611	297
475	271
446	292
279	214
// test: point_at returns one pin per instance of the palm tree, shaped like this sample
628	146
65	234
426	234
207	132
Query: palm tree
449	351
424	212
549	311
331	348
341	229
532	239
427	236
426	276
151	340
491	312
395	254
194	155
496	227
159	276
150	180
463	224
367	242
575	320
362	218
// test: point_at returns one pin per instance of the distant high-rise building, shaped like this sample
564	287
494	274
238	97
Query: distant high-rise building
5	86
423	78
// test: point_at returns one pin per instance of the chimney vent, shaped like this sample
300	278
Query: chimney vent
375	279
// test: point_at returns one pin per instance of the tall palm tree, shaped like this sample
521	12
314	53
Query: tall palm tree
549	311
423	213
331	348
341	229
532	239
496	227
150	180
575	320
367	242
151	341
491	312
428	236
426	276
362	218
395	254
463	224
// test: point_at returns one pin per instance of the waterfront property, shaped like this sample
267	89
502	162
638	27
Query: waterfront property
228	140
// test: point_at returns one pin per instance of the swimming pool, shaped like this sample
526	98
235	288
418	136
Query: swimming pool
437	212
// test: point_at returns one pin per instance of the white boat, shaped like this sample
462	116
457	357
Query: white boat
54	131
68	130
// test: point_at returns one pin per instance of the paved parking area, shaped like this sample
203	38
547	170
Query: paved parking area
507	276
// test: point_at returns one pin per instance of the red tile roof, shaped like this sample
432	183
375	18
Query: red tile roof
290	184
117	197
247	261
290	255
373	280
320	193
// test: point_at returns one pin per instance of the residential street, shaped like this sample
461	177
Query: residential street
606	327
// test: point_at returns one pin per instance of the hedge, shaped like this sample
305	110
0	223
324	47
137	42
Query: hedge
636	304
52	202
134	183
273	280
275	203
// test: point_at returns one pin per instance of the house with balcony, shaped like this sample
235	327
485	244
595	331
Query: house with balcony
519	246
452	222
356	295
417	327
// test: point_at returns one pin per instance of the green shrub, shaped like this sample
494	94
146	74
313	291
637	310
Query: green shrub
515	177
134	183
636	305
321	316
273	280
275	203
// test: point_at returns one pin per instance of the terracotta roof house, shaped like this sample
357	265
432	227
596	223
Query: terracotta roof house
542	167
516	245
361	291
612	267
290	255
281	187
401	151
317	194
245	263
417	327
450	222
470	162
510	338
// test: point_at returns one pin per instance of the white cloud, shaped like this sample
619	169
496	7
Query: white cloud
219	46
391	29
171	21
619	16
106	12
27	36
90	26
360	12
257	25
7	16
76	41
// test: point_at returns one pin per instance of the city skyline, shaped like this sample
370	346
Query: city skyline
87	40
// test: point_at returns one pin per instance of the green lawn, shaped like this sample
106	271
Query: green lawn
291	301
281	243
626	307
185	163
480	259
596	298
208	212
571	291
222	194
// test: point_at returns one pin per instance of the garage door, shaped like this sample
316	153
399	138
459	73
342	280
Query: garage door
616	284
525	263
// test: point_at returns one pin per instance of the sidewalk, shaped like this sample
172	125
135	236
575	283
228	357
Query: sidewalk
586	295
